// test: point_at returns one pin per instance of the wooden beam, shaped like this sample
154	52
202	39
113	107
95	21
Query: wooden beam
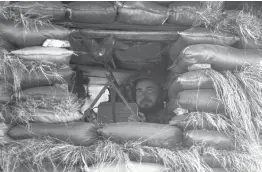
155	36
121	26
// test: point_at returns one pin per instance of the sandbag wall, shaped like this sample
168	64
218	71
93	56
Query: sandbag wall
35	71
191	140
208	79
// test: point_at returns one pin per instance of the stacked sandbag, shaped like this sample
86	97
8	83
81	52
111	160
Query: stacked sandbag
32	34
190	12
51	10
39	66
198	35
249	15
142	13
154	135
211	95
92	12
5	84
47	104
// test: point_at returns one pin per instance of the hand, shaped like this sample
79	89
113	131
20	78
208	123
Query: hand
138	118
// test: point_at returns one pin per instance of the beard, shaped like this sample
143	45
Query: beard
151	109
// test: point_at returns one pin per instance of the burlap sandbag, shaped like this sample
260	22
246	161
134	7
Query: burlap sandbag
76	133
191	80
31	36
183	13
51	116
220	57
208	138
202	100
156	135
51	10
92	12
142	13
47	92
139	56
38	79
45	54
27	79
184	123
197	35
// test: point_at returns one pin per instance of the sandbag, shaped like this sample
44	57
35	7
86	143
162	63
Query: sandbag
142	13
128	167
44	54
38	79
183	13
31	36
51	10
184	123
155	135
208	138
47	92
202	100
220	57
50	116
6	91
92	12
86	134
139	56
191	80
248	44
197	35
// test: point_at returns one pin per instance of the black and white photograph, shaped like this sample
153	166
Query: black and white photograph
131	86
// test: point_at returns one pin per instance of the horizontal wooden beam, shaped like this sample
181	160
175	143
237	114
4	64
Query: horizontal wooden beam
155	36
121	26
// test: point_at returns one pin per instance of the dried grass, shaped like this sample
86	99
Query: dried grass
236	91
38	152
28	20
18	68
215	121
211	12
238	161
24	111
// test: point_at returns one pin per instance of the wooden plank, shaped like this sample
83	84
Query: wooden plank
120	26
159	36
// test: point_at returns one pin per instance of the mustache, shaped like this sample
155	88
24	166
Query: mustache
145	100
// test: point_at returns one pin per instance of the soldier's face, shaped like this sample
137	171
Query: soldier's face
147	93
